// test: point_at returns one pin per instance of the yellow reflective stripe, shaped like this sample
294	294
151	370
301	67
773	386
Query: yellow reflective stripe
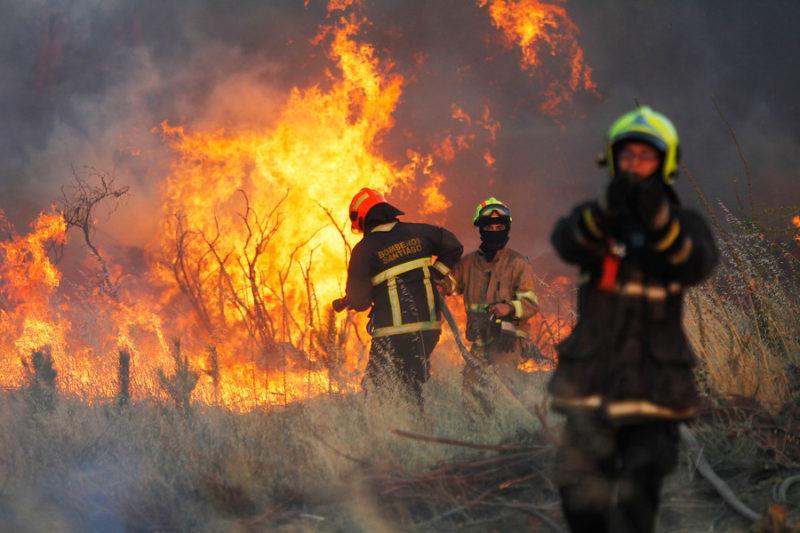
624	408
429	293
442	268
407	328
527	295
400	269
384	227
646	408
651	292
669	239
517	308
584	402
682	255
588	219
394	301
359	201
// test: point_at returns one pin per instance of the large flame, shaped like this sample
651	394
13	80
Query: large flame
261	212
254	245
537	27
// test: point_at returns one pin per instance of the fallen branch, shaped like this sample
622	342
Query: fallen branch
783	488
703	466
453	442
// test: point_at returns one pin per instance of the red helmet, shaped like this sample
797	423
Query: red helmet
360	205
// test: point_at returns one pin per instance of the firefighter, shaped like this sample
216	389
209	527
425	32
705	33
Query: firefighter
394	269
497	284
624	378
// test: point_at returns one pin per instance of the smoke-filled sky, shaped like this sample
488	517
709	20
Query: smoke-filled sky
85	83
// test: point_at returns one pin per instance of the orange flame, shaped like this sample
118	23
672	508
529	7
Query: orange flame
536	26
796	222
252	249
256	209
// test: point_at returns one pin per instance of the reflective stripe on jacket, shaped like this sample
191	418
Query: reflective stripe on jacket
392	268
508	278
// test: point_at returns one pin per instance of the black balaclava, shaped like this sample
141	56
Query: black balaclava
493	241
381	214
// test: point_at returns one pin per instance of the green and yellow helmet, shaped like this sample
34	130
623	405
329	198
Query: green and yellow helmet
645	125
491	207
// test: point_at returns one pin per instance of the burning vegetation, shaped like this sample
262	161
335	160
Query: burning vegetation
252	246
138	399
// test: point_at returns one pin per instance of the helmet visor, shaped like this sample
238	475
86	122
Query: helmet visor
494	211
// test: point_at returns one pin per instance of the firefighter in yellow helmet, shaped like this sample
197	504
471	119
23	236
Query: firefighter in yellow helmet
624	377
498	288
393	271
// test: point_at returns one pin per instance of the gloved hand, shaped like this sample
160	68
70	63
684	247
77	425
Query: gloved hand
501	309
507	340
339	305
652	205
447	284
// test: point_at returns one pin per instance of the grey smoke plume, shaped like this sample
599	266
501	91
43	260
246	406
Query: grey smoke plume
85	83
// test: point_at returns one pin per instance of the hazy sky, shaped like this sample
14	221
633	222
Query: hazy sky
84	83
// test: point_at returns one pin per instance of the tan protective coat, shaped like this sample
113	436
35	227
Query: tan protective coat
508	278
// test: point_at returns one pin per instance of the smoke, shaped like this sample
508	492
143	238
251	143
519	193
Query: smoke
88	83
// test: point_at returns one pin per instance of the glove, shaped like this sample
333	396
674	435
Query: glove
339	304
447	284
501	309
507	339
650	197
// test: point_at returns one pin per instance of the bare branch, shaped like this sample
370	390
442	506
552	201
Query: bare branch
79	203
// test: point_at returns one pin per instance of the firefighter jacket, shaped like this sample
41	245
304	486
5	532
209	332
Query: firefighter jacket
393	268
628	355
507	278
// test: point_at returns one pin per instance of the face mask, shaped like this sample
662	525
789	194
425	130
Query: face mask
492	241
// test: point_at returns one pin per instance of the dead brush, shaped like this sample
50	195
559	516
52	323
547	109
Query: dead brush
41	376
744	323
181	383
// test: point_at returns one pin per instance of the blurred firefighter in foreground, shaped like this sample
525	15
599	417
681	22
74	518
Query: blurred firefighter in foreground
624	377
393	269
497	283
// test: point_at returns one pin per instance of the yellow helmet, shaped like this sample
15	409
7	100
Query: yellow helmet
491	207
645	125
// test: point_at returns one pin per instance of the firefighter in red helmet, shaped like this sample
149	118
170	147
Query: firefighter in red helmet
393	270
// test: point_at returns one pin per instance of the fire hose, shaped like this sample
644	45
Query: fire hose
448	316
468	357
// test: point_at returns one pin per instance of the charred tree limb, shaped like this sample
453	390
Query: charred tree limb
79	203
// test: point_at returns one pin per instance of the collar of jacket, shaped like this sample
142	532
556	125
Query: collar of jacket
384	227
497	255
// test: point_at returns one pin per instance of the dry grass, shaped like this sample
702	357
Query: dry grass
745	323
333	463
158	467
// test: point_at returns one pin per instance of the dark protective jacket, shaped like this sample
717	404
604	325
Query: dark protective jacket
628	355
393	268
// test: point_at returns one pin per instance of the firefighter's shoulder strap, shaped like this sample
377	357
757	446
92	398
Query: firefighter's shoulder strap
389	276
